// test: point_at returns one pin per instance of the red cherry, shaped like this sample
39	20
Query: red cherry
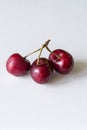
62	61
42	72
17	65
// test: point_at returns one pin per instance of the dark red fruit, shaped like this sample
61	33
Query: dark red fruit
42	72
17	65
62	61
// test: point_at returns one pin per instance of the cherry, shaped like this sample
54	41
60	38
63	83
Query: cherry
62	61
17	65
41	71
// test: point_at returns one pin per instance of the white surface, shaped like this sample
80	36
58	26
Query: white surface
62	103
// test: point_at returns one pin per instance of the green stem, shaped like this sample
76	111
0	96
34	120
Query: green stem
48	49
52	52
43	46
32	53
38	60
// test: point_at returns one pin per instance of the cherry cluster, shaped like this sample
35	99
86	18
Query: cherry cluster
41	70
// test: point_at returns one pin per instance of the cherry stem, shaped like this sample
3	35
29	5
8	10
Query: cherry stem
43	46
48	49
32	53
52	52
40	49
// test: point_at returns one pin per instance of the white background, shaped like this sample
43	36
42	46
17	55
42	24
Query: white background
62	103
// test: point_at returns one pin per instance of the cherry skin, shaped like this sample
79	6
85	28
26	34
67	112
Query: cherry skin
62	61
17	65
42	72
